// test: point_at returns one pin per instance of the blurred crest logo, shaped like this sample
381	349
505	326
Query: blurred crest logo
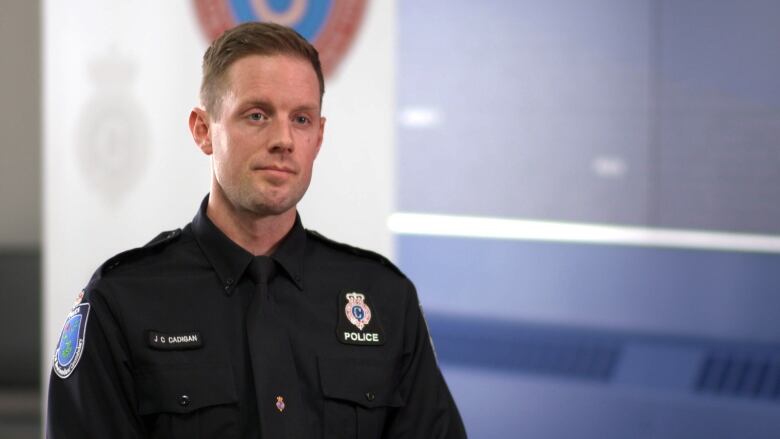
329	25
112	148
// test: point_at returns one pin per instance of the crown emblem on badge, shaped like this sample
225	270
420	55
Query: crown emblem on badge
358	313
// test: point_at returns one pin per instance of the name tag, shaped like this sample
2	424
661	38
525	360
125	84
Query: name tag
174	341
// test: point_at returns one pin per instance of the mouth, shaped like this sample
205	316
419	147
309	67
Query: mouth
275	174
274	169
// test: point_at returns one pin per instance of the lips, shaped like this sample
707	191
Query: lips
274	168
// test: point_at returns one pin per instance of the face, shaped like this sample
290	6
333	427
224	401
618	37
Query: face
266	135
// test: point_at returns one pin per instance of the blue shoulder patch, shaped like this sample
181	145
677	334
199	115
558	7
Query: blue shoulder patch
71	344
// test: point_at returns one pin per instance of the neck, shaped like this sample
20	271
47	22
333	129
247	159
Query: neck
259	235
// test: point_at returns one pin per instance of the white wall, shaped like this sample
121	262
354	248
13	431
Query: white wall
119	165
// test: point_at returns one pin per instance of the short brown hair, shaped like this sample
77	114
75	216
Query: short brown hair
251	39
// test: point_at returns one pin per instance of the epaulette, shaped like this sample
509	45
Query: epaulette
155	244
356	251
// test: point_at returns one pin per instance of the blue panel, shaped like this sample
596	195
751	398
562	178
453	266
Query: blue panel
514	347
659	113
718	118
530	94
660	366
663	113
673	363
730	295
495	404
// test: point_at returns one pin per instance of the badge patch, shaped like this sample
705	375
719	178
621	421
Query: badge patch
71	344
358	313
170	342
357	324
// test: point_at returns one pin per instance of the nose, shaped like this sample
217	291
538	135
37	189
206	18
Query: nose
281	141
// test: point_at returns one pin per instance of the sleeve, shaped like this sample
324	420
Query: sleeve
91	393
429	411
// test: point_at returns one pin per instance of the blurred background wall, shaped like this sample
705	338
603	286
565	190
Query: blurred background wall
20	217
584	192
588	202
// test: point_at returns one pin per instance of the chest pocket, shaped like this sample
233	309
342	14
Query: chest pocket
188	401
359	395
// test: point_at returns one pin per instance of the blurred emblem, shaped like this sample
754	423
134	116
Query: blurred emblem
358	313
330	25
71	344
112	148
280	404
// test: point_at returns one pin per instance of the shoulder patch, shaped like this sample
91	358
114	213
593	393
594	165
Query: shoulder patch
158	242
71	344
355	251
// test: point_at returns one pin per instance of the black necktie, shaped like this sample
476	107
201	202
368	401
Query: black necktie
279	402
262	270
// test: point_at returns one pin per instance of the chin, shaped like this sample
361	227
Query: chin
266	207
262	201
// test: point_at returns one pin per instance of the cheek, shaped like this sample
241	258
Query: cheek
310	140
311	154
229	152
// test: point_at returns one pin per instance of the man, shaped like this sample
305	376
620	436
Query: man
244	324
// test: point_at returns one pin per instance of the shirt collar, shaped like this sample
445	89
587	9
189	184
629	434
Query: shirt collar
230	260
289	253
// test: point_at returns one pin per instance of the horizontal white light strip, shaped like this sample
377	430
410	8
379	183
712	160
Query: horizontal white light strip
499	228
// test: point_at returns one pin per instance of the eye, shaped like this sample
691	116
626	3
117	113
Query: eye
256	116
303	120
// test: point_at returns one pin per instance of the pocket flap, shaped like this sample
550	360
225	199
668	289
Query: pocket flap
184	388
369	383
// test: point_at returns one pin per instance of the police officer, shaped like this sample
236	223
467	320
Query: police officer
243	324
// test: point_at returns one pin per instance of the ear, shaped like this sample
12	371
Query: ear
320	135
199	127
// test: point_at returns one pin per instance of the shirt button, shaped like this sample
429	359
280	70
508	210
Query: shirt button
370	396
184	400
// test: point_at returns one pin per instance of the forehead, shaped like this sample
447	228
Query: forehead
278	77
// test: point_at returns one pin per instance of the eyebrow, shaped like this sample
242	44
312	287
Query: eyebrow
261	103
311	108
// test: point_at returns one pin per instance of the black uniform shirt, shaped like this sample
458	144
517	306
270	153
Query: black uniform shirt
193	337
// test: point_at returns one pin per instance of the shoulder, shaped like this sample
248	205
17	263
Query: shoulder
354	254
133	256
